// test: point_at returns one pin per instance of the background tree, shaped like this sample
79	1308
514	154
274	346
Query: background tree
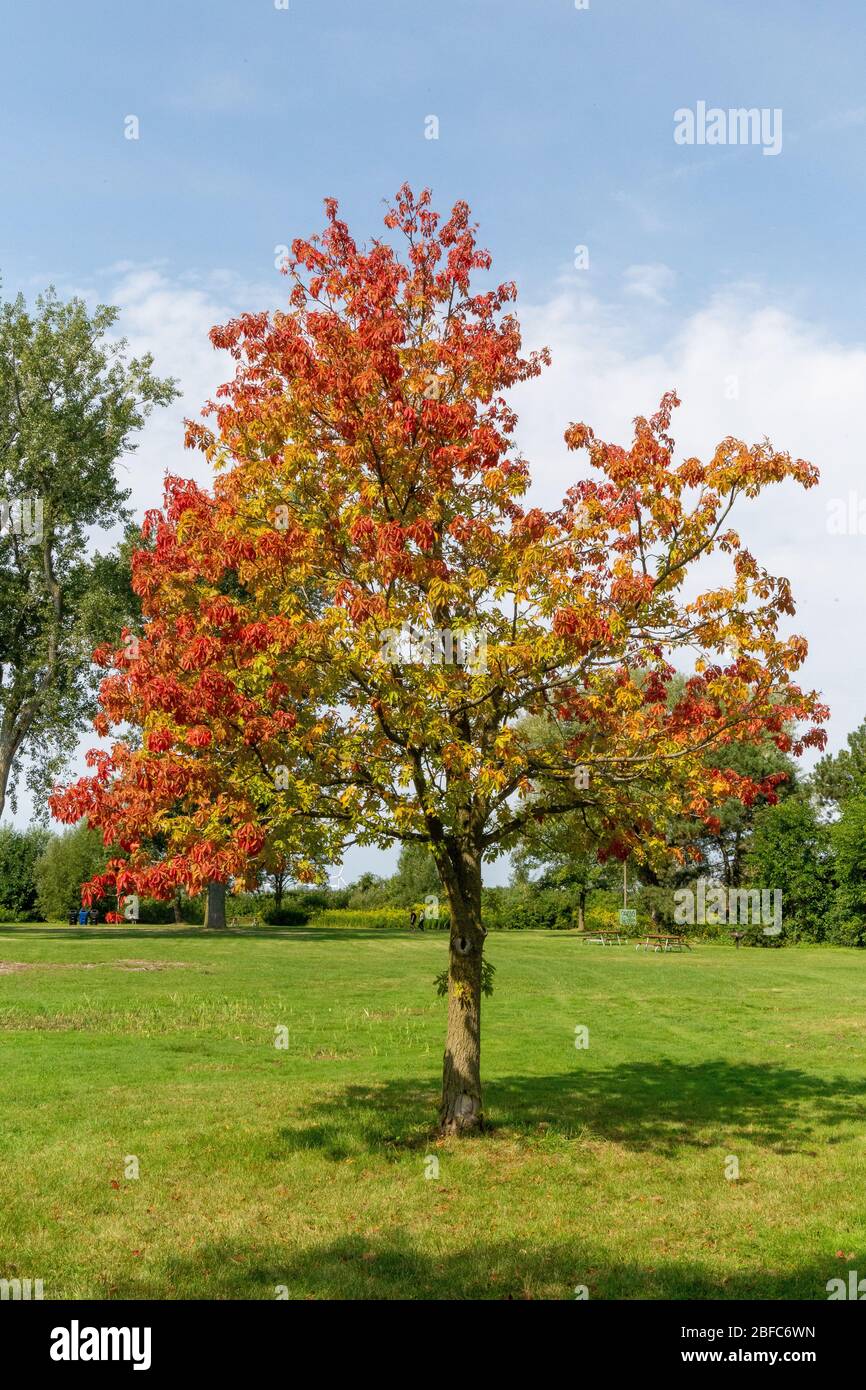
279	878
841	776
416	877
716	845
365	451
713	843
369	890
69	861
849	844
724	846
557	853
792	851
19	853
70	403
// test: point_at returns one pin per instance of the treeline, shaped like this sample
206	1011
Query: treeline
41	874
804	838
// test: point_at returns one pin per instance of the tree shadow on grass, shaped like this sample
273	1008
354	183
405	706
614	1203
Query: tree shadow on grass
34	930
390	1119
393	1266
661	1106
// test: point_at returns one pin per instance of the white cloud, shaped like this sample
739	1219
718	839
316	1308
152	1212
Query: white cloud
649	282
171	318
740	368
643	212
739	365
843	120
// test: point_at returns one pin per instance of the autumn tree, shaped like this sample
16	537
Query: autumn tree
344	638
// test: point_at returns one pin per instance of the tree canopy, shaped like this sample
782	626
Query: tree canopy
342	640
70	404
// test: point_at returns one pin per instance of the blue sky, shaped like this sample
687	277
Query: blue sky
707	264
555	123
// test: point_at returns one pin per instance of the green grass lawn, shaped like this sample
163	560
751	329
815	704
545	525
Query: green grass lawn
305	1166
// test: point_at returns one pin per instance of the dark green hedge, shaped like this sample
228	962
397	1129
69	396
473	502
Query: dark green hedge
292	916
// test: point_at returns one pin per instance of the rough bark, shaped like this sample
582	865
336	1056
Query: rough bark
461	1111
17	721
736	865
215	911
581	910
25	696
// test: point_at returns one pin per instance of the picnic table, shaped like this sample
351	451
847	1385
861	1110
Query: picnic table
604	938
663	941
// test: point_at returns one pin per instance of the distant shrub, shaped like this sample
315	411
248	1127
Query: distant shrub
368	891
290	916
387	918
28	914
602	914
19	854
428	917
192	910
154	912
851	933
711	931
311	900
756	936
247	904
528	909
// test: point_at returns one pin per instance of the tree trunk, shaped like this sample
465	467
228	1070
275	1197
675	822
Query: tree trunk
736	869
10	742
581	911
461	1109
215	911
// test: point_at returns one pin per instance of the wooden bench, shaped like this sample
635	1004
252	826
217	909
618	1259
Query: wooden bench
238	923
604	938
663	941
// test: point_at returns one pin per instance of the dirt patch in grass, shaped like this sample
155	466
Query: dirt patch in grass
153	964
384	1015
12	967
